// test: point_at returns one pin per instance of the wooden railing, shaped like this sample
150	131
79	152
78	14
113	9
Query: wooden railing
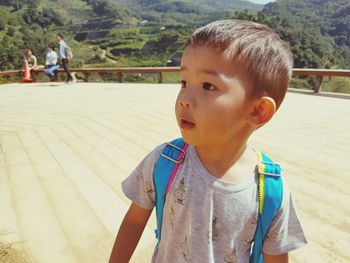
118	71
317	73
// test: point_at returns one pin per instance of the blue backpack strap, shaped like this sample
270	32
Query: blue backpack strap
172	155
270	199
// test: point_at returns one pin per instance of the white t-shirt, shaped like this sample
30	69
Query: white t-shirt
208	220
51	58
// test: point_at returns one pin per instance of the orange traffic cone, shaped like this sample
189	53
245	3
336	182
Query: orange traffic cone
27	75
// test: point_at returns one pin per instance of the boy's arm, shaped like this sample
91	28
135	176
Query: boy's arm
129	233
275	258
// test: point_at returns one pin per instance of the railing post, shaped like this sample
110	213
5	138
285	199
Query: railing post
120	77
318	83
160	77
86	77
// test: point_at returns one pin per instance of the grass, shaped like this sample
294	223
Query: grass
131	44
336	84
301	83
171	77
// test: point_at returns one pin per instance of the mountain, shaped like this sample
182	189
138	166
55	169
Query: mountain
330	18
150	32
218	4
194	12
318	30
231	5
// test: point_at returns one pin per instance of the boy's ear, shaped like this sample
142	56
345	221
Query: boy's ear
263	110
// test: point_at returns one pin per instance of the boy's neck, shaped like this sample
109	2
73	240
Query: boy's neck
230	161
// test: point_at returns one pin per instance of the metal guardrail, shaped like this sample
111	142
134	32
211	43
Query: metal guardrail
317	73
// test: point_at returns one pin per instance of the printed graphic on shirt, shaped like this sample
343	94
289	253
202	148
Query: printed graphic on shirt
172	217
213	232
248	242
184	249
254	219
250	236
147	188
271	236
274	235
231	258
180	193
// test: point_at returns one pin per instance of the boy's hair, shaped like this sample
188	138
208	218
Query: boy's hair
265	58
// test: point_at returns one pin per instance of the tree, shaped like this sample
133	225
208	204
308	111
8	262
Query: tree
10	31
2	25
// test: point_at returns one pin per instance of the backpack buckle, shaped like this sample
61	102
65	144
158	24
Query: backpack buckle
269	168
176	148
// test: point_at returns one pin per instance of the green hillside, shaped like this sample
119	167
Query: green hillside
105	33
318	30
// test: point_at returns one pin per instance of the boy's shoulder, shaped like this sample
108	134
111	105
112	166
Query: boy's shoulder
156	152
151	159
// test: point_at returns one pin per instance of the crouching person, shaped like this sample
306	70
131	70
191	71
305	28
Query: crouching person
51	65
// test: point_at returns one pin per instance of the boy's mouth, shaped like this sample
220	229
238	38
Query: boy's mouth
186	125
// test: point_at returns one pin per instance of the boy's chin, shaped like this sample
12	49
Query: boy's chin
189	139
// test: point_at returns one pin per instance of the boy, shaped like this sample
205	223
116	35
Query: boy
234	76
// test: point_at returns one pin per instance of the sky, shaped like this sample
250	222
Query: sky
263	2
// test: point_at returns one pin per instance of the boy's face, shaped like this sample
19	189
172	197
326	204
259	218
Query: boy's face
212	105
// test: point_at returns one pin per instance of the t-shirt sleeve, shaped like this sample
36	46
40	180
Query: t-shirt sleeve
138	186
285	233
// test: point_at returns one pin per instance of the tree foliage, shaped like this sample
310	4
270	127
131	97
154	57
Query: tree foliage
317	30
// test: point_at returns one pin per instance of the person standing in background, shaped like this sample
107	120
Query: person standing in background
62	56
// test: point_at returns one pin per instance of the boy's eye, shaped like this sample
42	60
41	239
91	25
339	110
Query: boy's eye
183	84
208	86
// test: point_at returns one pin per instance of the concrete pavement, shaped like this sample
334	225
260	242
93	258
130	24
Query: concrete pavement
64	150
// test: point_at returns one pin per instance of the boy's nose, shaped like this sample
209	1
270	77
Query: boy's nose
186	98
184	103
187	101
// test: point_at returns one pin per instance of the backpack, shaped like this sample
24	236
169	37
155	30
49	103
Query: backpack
270	190
69	53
